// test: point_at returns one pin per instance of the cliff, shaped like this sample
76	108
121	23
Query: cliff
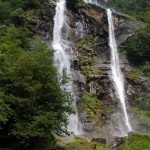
88	38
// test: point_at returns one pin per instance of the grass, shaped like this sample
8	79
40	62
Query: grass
86	48
91	103
143	115
82	144
137	141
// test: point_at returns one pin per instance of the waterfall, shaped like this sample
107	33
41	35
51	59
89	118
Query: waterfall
122	124
62	61
91	1
118	78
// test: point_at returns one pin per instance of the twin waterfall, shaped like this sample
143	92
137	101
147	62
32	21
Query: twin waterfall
61	61
118	79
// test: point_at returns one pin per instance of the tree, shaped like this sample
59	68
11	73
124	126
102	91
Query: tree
5	10
138	47
35	97
26	4
17	17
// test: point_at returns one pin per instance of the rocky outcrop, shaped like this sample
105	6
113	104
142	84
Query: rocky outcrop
88	38
42	21
91	38
93	59
99	140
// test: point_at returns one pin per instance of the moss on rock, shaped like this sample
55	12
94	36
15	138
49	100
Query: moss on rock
137	141
82	144
87	57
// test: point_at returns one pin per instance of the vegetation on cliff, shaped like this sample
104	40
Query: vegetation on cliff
137	50
136	141
82	144
140	9
87	49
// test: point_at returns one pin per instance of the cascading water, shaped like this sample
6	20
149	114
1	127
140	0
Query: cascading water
118	78
122	125
61	60
91	1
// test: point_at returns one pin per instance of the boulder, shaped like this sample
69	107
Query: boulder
99	140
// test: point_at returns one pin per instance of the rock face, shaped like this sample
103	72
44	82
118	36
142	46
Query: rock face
43	21
91	61
93	58
100	140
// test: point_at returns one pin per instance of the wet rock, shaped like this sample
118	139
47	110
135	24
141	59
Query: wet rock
94	24
130	90
77	76
146	88
119	141
93	146
92	86
130	133
99	140
88	126
76	64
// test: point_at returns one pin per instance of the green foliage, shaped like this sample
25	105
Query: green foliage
25	4
142	107
144	103
138	47
19	37
18	16
146	69
32	104
82	144
138	50
138	8
87	48
90	103
84	42
5	10
5	110
32	92
137	141
12	44
144	16
143	115
13	11
65	77
72	3
135	74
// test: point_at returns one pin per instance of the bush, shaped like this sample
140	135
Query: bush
90	103
138	49
138	8
33	103
137	142
26	4
17	17
5	10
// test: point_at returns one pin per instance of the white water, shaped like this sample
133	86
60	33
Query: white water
91	1
61	59
118	78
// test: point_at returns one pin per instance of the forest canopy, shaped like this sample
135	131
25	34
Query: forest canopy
32	103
